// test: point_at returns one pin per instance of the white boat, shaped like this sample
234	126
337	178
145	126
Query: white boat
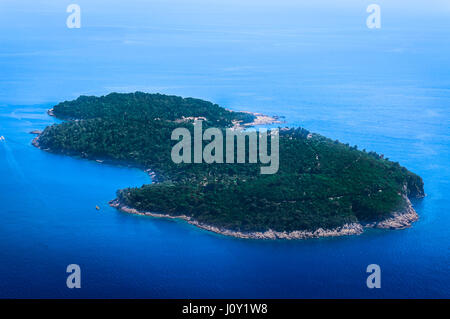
2	138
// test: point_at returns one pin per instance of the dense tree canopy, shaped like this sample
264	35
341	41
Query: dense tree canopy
320	182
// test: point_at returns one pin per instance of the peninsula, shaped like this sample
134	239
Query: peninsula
322	187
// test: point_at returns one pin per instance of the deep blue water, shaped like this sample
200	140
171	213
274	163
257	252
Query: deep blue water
386	90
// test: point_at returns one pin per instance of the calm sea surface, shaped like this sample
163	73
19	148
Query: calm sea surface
386	90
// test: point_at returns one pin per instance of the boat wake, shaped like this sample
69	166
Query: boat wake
10	159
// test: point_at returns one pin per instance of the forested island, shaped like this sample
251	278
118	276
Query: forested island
322	187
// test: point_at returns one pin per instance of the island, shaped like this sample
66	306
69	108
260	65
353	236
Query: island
322	187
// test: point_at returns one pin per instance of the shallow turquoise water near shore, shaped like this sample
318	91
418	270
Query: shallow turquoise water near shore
386	90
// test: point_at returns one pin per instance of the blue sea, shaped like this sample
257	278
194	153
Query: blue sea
315	63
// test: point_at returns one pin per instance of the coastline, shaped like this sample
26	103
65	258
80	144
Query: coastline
260	119
155	178
398	220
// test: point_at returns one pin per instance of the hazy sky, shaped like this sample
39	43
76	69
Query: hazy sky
205	48
116	12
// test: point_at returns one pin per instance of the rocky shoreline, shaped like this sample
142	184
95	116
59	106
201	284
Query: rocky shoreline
155	178
35	141
398	220
260	119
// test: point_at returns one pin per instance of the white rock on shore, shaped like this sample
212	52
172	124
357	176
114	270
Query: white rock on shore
347	229
398	220
35	142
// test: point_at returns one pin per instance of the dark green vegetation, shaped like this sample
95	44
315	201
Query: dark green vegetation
320	182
